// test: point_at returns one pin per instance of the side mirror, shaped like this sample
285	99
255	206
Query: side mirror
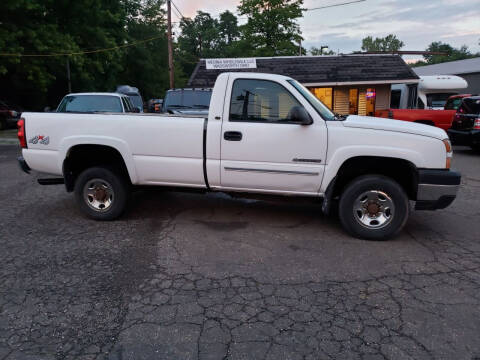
299	115
136	109
47	109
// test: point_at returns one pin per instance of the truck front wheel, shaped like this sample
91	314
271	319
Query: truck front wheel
373	207
101	193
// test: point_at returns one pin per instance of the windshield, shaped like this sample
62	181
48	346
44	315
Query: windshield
453	104
188	99
90	103
320	107
438	100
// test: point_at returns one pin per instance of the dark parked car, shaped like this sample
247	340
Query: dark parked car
9	115
465	128
454	101
187	101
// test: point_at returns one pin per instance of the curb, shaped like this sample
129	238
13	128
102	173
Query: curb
8	141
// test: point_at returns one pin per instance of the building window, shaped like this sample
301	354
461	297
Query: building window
396	95
353	101
325	95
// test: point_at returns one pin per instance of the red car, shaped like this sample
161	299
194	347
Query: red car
439	118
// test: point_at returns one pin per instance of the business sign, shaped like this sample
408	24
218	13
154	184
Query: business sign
370	94
241	63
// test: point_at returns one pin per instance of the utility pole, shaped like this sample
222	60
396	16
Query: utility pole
68	76
170	47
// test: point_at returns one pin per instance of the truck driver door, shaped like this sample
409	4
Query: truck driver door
261	148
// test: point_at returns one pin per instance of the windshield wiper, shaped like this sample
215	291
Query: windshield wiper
201	106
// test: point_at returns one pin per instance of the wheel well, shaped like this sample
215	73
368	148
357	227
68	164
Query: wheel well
81	157
426	122
402	171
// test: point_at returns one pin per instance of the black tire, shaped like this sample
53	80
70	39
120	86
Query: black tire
3	124
116	199
373	184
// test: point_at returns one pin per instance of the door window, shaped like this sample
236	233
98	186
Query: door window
261	101
370	95
353	101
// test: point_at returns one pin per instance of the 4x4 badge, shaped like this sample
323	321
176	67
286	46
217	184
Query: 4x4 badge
44	140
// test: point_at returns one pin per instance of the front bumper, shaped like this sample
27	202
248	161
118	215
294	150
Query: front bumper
436	188
464	137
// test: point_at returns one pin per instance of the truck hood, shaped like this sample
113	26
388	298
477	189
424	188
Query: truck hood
374	123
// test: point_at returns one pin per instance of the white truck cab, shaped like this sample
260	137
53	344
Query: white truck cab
264	134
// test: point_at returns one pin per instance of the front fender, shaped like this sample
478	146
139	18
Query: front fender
345	153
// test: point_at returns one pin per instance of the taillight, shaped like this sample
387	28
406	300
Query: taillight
21	133
476	124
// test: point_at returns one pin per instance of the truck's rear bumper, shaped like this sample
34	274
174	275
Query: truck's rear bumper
23	164
436	189
464	137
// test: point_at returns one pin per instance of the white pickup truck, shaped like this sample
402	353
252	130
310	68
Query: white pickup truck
265	134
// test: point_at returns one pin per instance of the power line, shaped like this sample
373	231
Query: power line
333	5
175	6
178	15
85	51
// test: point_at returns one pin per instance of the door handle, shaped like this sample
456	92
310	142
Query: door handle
232	135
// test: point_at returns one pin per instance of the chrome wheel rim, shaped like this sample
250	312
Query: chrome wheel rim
373	209
98	194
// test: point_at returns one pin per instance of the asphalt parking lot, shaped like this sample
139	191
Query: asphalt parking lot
186	276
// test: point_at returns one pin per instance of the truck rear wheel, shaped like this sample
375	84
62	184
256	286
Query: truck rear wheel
101	193
373	207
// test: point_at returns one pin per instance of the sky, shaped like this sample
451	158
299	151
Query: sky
416	22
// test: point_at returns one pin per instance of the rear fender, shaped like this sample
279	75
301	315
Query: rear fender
115	143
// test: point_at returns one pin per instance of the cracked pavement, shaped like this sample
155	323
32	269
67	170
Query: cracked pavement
184	276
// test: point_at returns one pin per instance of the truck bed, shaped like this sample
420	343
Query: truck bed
439	118
158	146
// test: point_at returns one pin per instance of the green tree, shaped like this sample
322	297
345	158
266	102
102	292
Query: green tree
388	43
146	65
200	38
451	53
46	27
228	27
272	28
